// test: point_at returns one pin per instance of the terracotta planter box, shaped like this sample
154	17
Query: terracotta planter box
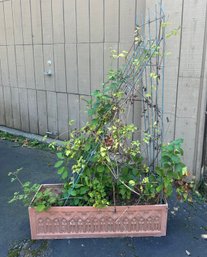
90	222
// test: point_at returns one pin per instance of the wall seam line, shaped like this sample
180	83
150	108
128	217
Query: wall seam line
178	74
199	105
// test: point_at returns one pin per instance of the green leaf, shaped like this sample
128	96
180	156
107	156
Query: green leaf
132	183
64	174
148	95
87	147
40	207
180	168
96	93
58	164
159	188
83	190
94	122
71	122
184	171
185	196
78	185
100	169
60	155
67	152
145	180
103	151
86	181
52	200
73	193
165	24
122	55
160	172
61	170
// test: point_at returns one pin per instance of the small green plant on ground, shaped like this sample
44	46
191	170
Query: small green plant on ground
30	143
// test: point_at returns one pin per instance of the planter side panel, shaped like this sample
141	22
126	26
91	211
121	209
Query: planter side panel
89	222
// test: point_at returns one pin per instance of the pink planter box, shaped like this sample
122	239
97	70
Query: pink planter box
90	222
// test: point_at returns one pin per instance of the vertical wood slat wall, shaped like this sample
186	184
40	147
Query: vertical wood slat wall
191	91
185	77
76	36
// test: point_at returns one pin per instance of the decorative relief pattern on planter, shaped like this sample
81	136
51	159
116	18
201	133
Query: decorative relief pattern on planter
101	225
79	222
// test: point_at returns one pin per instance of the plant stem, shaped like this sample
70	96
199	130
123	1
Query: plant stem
19	181
114	194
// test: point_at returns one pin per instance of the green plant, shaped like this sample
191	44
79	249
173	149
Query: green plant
108	164
29	143
43	199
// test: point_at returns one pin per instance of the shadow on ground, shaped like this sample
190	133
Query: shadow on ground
184	235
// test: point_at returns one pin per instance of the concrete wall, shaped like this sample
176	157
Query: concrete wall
76	36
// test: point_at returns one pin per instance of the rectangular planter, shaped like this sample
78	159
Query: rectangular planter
90	222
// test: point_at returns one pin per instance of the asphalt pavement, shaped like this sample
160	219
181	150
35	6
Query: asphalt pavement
186	232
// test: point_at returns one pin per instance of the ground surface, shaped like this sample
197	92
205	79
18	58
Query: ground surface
184	235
